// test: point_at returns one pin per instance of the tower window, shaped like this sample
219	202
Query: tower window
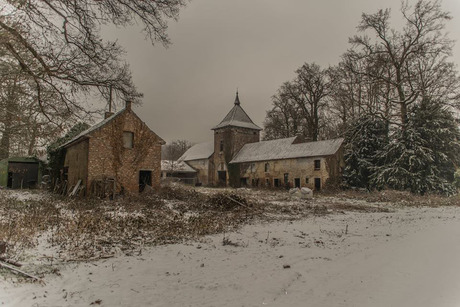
221	145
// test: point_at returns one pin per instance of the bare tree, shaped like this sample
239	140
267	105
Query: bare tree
57	44
300	105
175	149
414	58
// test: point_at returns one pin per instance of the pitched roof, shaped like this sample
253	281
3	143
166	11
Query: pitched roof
198	151
285	149
176	166
237	117
102	123
92	128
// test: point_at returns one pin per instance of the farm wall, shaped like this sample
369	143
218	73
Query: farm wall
289	173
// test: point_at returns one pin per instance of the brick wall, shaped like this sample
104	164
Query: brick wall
107	158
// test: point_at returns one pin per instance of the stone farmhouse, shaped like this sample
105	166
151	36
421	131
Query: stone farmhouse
237	157
120	151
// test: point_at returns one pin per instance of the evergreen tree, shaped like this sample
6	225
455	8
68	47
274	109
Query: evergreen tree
366	137
424	158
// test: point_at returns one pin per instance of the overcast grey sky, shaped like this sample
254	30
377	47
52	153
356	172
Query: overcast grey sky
255	45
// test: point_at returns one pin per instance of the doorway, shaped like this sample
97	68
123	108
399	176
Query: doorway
297	182
10	180
222	177
317	184
145	178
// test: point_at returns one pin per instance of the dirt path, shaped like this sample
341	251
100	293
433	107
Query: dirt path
403	258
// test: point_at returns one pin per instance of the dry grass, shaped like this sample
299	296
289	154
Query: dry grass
94	228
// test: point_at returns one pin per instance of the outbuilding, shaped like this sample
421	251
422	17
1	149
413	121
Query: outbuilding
20	172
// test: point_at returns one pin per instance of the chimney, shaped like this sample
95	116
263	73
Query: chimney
107	114
128	105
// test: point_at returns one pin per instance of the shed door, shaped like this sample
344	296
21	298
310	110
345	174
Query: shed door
145	178
24	174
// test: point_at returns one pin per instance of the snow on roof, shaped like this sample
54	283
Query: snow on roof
237	118
176	166
93	128
198	151
285	149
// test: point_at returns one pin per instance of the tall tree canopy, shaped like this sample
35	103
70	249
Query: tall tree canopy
52	56
57	44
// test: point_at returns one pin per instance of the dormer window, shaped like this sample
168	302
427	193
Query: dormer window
128	139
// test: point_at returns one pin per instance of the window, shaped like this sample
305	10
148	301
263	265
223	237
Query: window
317	165
267	167
253	167
276	182
221	145
267	182
128	139
306	180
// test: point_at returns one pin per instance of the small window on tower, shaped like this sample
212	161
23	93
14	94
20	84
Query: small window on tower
128	139
221	145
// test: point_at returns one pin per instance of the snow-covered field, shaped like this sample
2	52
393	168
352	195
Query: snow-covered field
407	257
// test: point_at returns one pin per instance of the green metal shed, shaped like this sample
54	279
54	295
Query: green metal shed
20	172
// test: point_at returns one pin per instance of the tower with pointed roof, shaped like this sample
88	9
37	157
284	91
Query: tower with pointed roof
230	135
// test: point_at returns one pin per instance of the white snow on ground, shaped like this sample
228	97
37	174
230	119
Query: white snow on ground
409	257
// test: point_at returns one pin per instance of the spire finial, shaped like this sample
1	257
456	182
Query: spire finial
237	99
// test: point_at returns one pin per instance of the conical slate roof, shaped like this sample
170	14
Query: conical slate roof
237	118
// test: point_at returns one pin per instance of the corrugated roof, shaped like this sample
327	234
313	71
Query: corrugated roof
198	151
285	149
176	166
93	128
237	117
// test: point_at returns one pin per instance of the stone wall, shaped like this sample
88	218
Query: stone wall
303	169
202	168
234	138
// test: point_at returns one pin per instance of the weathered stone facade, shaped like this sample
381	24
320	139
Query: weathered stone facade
227	143
107	156
238	157
289	173
203	168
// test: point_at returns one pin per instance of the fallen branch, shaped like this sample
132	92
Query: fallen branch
237	202
3	259
6	266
